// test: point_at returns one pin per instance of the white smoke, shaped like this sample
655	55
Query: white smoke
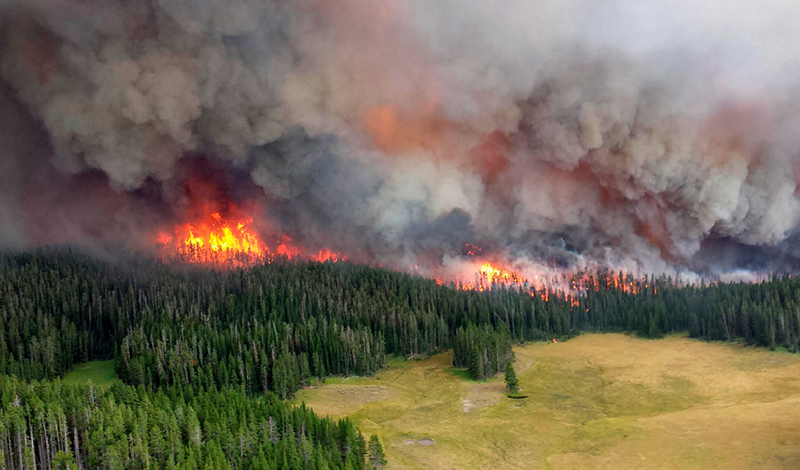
621	131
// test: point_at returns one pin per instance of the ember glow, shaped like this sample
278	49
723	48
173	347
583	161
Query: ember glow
479	274
328	255
549	283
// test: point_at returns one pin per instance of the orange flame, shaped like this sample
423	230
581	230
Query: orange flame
215	240
327	255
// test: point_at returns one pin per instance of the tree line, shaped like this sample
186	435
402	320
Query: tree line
208	355
50	425
279	326
484	351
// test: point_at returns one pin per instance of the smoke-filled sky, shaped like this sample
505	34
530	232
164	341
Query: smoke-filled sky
649	135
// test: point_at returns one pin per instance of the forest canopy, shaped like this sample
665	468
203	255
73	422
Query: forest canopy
237	341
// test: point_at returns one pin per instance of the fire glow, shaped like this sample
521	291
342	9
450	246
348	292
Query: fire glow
548	283
215	240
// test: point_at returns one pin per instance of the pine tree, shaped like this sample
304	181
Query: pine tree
63	461
512	384
376	458
476	369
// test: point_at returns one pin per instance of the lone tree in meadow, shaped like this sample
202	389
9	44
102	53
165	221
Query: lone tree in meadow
512	384
375	456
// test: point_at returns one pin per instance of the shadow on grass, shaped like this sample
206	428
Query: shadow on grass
462	374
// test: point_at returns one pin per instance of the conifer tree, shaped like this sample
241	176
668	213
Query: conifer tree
375	455
63	461
512	384
476	369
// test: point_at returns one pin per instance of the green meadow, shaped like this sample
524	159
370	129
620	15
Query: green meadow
596	402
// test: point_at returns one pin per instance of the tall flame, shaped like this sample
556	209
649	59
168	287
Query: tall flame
216	240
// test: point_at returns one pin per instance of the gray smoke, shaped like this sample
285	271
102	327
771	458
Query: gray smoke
581	132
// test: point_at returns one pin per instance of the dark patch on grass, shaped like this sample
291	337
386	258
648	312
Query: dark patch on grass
462	374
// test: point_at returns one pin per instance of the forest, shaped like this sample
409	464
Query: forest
221	348
53	426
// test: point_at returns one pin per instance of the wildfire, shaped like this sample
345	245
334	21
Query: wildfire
549	283
485	276
471	250
327	255
493	274
217	241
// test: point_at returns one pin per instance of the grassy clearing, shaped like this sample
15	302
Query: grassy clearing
595	402
101	373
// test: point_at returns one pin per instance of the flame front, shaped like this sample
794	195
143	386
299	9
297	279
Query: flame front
216	240
219	237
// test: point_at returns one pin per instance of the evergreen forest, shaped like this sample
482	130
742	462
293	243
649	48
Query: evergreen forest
207	356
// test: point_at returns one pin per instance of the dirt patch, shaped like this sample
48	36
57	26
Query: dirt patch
341	399
360	394
466	405
481	396
421	442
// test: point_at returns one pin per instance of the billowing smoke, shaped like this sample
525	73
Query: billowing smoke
646	135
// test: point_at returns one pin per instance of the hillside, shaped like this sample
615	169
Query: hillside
278	328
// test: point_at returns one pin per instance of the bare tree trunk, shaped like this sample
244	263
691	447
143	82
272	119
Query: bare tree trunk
33	444
77	447
10	446
48	455
19	449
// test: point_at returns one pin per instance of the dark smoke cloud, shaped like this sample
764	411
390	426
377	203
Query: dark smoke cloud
617	133
18	143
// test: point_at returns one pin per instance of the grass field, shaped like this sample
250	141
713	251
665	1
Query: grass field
101	373
595	402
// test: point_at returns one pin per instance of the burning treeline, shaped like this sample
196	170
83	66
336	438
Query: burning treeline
215	230
399	132
217	242
218	232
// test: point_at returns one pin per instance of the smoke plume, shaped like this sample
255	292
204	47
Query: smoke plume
644	135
